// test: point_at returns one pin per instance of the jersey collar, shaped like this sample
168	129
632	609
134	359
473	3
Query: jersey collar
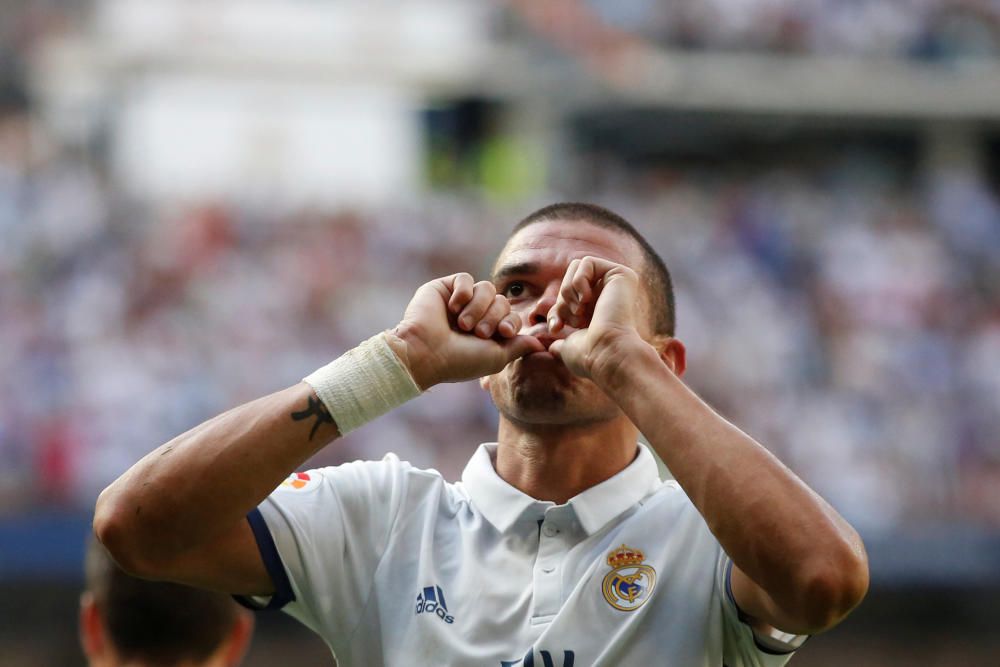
503	505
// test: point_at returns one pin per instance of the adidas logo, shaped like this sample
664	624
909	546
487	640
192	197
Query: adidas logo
431	601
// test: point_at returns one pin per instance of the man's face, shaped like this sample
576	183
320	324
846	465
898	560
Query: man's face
539	389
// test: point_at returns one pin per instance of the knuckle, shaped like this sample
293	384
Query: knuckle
480	304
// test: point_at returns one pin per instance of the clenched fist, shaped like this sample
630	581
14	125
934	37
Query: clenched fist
455	329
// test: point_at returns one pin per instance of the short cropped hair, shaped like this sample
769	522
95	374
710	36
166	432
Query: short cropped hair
156	622
659	285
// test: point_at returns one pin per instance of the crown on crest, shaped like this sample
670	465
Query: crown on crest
625	555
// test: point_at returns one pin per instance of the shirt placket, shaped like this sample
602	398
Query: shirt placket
553	547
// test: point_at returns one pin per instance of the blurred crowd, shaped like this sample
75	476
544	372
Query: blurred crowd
849	322
925	29
931	30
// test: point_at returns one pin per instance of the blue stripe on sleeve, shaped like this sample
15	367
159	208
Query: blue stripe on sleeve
283	593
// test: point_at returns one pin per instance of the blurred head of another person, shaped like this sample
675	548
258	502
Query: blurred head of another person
138	623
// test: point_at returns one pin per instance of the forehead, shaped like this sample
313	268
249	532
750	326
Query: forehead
556	243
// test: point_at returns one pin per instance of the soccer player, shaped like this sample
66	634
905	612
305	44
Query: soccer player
129	621
560	547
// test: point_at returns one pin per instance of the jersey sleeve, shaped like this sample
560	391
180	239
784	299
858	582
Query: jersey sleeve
743	646
321	535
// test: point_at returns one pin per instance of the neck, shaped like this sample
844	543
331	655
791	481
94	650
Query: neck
557	462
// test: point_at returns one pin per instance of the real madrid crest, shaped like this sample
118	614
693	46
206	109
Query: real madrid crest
630	582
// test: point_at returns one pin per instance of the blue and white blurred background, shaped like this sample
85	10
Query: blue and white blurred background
200	202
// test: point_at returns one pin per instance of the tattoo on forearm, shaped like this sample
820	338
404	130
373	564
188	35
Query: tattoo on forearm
314	409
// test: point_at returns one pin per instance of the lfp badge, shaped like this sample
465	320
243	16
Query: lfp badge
630	582
298	480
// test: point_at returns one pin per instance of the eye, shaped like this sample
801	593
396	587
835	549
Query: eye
514	289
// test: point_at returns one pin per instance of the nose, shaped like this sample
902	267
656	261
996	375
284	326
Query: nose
540	311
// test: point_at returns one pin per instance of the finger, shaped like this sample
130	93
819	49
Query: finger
562	351
567	292
586	291
561	309
519	346
496	312
582	283
461	292
482	298
509	325
555	322
579	292
574	294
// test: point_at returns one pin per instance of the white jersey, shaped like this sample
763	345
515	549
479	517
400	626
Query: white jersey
392	565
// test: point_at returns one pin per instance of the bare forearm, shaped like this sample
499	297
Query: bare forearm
195	487
776	529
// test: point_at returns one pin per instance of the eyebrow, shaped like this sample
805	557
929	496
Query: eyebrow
519	269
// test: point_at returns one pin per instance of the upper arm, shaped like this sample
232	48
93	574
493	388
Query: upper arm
231	563
286	547
762	613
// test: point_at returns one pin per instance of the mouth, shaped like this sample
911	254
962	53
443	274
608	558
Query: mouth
542	363
542	358
543	336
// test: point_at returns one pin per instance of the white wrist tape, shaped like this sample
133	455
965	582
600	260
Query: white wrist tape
363	383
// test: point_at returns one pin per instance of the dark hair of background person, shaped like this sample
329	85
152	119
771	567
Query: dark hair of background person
156	622
655	273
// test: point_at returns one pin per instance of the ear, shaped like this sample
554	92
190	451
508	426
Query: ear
91	628
673	353
239	638
484	382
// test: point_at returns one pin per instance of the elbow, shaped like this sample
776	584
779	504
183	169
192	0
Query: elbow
118	529
833	589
